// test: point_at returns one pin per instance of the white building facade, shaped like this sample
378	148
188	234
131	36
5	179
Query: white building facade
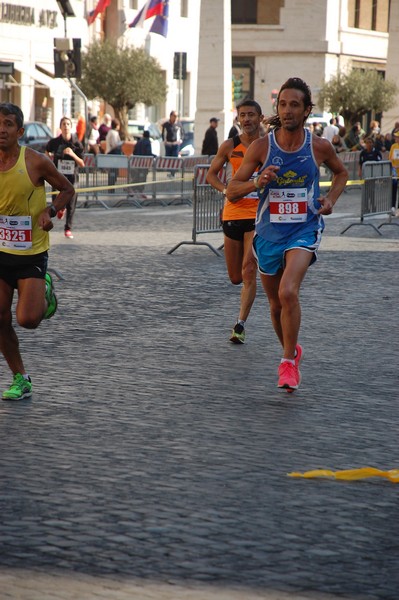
273	40
27	32
270	40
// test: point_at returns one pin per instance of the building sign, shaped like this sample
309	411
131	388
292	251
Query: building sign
48	18
25	15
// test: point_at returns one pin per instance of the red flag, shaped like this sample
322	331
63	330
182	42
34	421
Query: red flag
100	8
154	8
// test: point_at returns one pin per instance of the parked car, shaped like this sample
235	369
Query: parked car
135	130
187	147
322	118
36	135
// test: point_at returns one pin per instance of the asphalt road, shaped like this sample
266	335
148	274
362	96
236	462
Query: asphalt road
152	459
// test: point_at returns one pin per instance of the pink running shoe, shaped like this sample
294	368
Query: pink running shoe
68	234
299	355
289	376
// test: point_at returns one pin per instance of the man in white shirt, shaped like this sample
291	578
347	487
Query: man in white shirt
330	130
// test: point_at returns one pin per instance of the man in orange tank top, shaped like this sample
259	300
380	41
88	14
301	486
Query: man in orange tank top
238	217
25	220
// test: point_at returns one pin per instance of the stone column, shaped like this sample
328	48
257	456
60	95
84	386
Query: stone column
392	70
214	70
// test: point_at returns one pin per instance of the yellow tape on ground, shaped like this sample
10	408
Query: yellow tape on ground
350	474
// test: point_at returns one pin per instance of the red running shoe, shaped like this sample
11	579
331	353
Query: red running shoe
299	355
289	376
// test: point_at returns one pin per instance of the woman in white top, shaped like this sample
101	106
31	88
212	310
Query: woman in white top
94	134
113	140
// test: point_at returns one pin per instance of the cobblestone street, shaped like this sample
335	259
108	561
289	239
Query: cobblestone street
151	462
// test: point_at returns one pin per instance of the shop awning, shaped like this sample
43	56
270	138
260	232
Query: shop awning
41	78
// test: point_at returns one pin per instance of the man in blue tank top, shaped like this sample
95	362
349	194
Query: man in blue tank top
289	220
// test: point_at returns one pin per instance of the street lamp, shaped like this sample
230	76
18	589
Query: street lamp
66	11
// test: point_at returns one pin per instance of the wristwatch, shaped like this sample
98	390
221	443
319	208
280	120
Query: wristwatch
52	211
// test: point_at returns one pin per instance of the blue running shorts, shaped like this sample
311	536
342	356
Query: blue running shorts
270	256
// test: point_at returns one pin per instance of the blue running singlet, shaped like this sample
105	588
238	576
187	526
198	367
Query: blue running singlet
288	206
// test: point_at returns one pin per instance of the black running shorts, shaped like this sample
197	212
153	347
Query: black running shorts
14	267
235	229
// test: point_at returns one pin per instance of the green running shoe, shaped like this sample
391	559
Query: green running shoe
50	297
19	389
238	334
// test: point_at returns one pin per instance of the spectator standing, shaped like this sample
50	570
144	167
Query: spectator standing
395	130
238	218
394	158
338	144
93	137
113	139
388	141
142	148
369	153
210	144
172	135
67	153
104	127
235	129
330	130
81	128
113	146
103	130
318	129
374	129
354	137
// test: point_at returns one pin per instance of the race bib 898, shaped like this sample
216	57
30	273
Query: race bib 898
288	205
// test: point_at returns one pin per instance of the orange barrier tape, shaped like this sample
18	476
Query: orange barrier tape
350	474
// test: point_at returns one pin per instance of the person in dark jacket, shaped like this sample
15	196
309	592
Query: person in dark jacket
142	148
210	145
370	153
172	135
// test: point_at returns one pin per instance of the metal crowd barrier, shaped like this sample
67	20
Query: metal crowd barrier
141	170
207	208
168	170
351	163
137	180
376	193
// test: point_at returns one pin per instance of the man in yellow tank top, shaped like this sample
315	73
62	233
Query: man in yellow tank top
25	221
239	216
394	158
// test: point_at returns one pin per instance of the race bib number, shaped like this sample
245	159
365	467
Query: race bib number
396	154
15	232
288	205
66	167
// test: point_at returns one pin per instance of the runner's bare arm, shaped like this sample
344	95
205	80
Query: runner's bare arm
217	163
242	184
40	169
79	161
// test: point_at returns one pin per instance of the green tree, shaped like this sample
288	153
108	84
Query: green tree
354	93
122	77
